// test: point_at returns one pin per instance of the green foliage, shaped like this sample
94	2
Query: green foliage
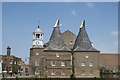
17	78
45	76
118	67
72	76
102	69
15	69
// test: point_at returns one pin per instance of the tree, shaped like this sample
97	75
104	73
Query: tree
102	69
15	69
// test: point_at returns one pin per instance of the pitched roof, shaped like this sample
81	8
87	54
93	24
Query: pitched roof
56	43
69	38
82	42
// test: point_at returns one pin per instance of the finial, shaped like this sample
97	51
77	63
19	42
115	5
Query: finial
82	24
8	47
38	23
38	26
57	24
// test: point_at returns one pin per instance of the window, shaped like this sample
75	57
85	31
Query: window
83	63
57	55
10	69
86	56
53	63
91	64
62	63
52	72
11	61
36	63
71	42
15	62
71	60
1	61
36	71
37	36
37	53
5	69
62	73
83	72
91	72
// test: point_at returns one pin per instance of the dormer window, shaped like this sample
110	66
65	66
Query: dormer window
71	42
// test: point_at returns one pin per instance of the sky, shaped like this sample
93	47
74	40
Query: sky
20	20
0	27
60	0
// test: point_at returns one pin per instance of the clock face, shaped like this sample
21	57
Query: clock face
37	42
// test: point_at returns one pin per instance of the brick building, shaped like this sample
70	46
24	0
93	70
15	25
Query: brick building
109	62
55	58
11	64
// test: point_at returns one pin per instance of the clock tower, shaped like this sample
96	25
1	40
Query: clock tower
38	38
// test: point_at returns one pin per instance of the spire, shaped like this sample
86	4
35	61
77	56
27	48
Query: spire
56	42
82	42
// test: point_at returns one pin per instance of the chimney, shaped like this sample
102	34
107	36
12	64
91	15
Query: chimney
8	51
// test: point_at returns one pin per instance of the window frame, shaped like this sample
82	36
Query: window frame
53	63
62	63
83	63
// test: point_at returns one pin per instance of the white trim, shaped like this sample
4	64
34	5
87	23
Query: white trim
83	64
4	71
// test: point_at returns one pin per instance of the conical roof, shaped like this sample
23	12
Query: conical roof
82	42
38	30
56	43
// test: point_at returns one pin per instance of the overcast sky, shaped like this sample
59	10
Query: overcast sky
21	19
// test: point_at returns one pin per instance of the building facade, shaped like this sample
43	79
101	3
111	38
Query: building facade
110	62
37	53
57	55
65	54
86	57
10	64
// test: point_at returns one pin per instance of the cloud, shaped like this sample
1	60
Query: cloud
89	4
114	33
73	12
